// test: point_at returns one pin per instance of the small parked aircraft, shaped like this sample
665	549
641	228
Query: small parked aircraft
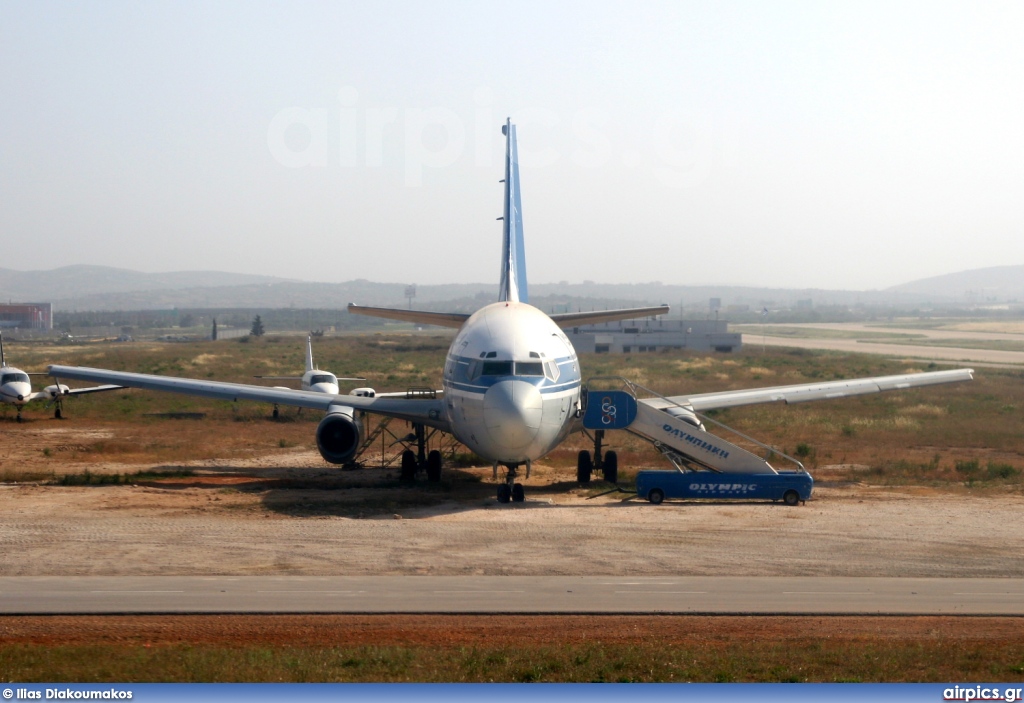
313	379
16	387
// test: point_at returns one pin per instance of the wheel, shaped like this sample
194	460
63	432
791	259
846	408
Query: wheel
584	466
518	494
611	467
57	414
434	466
277	413
408	465
504	493
791	497
656	496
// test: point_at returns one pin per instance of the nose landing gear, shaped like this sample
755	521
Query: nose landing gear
510	490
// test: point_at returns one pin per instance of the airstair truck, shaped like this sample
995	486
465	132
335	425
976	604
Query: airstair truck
706	465
789	487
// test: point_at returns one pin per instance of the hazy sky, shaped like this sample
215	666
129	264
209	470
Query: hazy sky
832	145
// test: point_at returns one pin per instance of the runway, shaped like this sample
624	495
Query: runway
24	595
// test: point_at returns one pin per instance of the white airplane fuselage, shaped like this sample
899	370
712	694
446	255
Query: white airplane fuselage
320	382
15	386
511	383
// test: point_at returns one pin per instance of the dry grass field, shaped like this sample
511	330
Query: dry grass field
922	482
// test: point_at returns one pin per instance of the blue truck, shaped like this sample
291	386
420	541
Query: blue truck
791	487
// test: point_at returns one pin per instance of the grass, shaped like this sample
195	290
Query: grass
88	478
796	649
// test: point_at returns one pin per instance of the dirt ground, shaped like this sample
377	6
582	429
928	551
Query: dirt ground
288	513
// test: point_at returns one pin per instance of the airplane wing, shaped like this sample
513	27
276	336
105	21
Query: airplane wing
422	317
92	389
428	411
575	319
811	391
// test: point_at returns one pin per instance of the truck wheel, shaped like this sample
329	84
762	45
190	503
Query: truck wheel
611	467
584	466
656	496
791	497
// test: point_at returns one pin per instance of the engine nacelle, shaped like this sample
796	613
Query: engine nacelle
58	389
338	435
363	392
686	415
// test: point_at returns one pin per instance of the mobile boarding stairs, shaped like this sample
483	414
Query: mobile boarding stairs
676	430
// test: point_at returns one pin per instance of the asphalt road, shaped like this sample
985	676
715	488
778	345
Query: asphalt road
510	594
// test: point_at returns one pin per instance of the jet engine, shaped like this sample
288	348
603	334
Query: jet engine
338	435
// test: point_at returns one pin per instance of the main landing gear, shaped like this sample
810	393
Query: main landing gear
413	460
510	490
608	463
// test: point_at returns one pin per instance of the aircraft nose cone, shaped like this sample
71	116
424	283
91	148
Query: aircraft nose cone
512	413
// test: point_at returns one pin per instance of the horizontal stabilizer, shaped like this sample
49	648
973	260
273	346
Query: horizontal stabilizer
420	317
576	319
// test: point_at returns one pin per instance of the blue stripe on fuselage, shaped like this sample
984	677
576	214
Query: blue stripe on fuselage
568	377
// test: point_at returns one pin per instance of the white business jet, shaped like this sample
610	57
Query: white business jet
512	386
16	388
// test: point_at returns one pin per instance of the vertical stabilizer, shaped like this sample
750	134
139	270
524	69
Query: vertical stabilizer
513	252
309	354
3	361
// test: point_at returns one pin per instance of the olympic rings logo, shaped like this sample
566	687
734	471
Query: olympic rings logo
608	411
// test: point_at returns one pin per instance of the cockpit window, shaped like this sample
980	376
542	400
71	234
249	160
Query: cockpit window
14	378
529	368
322	378
497	368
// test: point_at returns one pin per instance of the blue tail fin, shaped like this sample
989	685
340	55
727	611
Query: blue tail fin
513	252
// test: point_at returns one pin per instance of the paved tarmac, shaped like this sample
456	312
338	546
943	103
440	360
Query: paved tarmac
510	594
963	355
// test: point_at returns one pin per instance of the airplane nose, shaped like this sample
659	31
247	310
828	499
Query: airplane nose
512	413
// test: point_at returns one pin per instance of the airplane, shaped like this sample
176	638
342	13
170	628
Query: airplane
314	379
16	388
512	387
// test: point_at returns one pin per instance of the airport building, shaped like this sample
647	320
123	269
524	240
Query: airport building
653	335
27	316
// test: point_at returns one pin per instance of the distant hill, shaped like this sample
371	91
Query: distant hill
103	288
72	282
994	284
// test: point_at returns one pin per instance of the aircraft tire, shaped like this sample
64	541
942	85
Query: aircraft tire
57	415
791	497
611	467
584	466
434	466
518	494
504	493
408	465
656	496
